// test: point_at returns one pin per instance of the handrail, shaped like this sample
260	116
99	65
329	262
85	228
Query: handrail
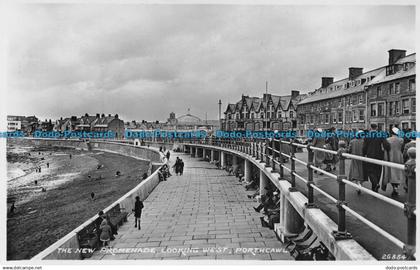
266	152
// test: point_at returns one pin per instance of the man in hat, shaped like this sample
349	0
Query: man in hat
373	147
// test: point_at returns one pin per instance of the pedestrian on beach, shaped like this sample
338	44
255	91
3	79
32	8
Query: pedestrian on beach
373	147
356	166
177	166
106	232
393	153
138	206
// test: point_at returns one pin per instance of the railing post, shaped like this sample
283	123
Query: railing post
410	205
281	170
341	233
267	151
310	203
274	155
262	151
292	167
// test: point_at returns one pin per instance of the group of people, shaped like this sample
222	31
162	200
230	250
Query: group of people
178	166
270	204
393	149
105	229
164	173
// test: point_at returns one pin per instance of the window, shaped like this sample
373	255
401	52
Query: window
312	118
397	88
404	125
252	115
406	106
381	109
340	117
327	118
334	117
413	105
360	98
361	115
397	107
413	125
391	89
291	115
372	109
262	115
381	126
354	116
379	91
412	85
391	108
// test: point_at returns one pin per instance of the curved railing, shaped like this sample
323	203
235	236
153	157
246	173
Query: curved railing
271	151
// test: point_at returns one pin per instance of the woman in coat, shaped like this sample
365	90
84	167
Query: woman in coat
394	154
319	142
356	166
106	232
138	206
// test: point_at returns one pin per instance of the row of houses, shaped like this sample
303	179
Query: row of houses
98	123
385	96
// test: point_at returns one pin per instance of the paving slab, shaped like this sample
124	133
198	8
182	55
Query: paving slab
203	214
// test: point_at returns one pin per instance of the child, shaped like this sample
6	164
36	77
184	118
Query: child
106	232
138	206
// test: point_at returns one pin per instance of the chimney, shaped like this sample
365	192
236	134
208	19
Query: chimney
116	116
102	115
355	72
295	94
97	115
326	81
109	115
395	55
266	96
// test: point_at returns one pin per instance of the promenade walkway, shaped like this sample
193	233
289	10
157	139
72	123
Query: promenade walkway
204	214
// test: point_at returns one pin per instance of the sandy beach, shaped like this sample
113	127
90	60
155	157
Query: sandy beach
41	218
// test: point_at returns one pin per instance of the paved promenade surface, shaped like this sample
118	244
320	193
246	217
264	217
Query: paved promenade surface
204	214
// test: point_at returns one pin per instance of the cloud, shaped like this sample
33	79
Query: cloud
144	61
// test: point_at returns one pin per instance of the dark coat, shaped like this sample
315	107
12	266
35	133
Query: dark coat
138	206
374	148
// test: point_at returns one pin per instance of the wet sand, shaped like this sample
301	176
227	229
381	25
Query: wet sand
41	218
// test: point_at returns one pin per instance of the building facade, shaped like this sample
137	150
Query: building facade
392	94
271	112
355	102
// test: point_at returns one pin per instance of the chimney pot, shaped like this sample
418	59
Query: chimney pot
355	72
325	81
395	55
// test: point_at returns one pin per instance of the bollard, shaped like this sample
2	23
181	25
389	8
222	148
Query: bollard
292	168
310	203
341	233
410	205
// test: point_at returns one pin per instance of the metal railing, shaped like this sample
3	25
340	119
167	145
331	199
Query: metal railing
272	153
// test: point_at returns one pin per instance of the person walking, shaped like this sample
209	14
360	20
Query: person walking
181	167
168	155
319	142
373	147
356	166
138	206
394	153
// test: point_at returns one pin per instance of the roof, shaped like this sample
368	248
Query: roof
329	92
188	119
379	76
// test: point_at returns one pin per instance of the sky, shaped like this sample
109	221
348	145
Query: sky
144	61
